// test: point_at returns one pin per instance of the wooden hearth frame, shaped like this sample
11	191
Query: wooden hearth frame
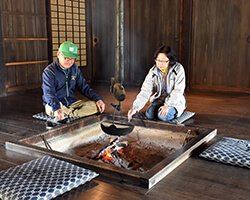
146	180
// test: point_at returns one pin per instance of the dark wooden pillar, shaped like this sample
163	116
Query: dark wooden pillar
2	67
88	71
185	37
49	31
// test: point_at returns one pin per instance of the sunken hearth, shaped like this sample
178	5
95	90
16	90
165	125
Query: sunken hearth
139	151
143	157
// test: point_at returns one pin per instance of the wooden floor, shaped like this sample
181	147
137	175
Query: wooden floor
196	178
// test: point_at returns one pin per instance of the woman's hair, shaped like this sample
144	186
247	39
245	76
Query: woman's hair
169	52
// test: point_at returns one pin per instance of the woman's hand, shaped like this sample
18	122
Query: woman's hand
163	110
151	99
131	112
100	105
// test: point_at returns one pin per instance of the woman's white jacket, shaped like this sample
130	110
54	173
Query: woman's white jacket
152	87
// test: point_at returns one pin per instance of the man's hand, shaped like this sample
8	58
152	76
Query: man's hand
131	112
100	105
59	114
163	110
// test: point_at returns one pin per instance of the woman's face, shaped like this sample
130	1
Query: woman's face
162	61
66	63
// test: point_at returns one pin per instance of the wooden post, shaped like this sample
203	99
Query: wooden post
119	57
2	67
49	31
186	35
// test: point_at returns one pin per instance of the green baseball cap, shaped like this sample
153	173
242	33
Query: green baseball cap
68	49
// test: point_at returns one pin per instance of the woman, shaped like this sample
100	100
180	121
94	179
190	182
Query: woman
164	86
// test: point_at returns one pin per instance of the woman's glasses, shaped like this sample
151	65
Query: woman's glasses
162	61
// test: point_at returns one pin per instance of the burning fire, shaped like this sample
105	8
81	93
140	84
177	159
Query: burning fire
112	153
107	156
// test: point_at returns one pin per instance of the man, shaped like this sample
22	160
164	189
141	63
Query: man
60	79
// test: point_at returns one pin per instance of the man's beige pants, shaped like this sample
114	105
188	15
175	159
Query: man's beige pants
79	108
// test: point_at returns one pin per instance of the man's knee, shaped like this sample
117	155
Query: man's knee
85	108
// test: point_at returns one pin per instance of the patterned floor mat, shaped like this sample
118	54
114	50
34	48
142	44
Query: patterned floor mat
229	151
43	116
184	117
43	178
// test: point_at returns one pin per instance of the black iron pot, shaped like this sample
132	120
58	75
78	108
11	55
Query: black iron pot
117	129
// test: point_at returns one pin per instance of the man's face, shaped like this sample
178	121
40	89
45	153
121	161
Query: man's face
65	62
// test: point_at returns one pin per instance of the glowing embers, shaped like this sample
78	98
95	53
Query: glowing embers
113	153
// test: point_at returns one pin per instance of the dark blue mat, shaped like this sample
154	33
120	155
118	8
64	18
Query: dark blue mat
229	151
43	116
43	178
186	115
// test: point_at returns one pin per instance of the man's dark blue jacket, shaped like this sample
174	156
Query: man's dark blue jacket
59	86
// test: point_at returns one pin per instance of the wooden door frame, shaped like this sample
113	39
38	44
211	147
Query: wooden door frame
49	31
185	48
89	40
